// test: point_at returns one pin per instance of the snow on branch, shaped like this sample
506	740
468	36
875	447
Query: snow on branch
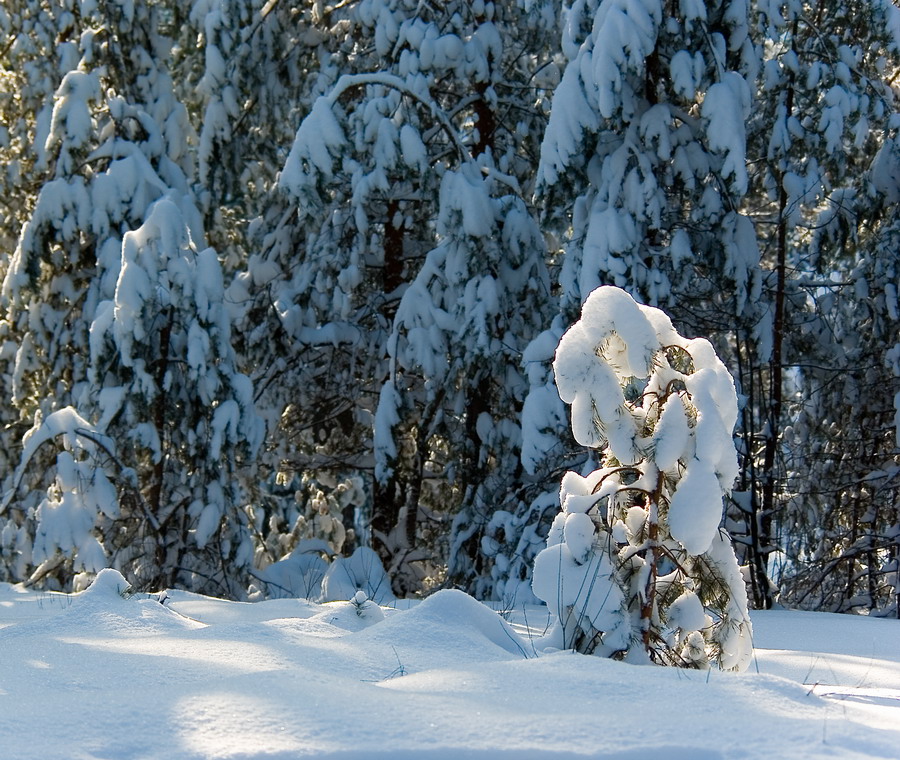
77	432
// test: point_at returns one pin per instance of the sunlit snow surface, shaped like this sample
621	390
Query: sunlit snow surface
98	676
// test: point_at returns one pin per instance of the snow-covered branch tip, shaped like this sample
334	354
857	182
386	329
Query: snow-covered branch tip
66	422
349	82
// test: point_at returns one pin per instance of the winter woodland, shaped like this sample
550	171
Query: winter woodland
591	303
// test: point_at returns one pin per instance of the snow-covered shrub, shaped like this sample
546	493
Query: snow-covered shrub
362	571
297	575
636	565
306	521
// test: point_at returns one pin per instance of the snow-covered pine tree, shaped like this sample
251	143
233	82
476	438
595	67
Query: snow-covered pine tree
29	75
421	91
250	71
329	274
454	389
642	178
87	295
823	108
50	285
839	536
642	167
317	296
164	381
841	549
247	84
636	564
450	405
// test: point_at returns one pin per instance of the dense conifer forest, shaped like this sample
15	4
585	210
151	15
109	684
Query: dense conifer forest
283	285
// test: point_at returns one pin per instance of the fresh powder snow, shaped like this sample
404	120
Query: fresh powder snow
102	675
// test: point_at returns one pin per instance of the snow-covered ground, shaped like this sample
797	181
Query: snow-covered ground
95	675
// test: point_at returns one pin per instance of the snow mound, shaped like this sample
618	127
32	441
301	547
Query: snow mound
446	627
108	585
221	612
352	616
300	574
104	607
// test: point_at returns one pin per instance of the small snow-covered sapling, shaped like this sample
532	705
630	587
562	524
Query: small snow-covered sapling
366	608
636	565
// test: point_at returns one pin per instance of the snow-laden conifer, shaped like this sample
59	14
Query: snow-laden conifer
183	417
842	551
641	179
410	95
825	110
644	154
457	338
637	565
248	72
114	307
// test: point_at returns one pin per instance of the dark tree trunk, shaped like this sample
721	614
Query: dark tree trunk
773	412
387	499
166	568
394	235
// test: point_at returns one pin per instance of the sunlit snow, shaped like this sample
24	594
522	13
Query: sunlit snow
96	675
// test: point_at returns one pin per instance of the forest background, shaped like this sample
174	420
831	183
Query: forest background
281	281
